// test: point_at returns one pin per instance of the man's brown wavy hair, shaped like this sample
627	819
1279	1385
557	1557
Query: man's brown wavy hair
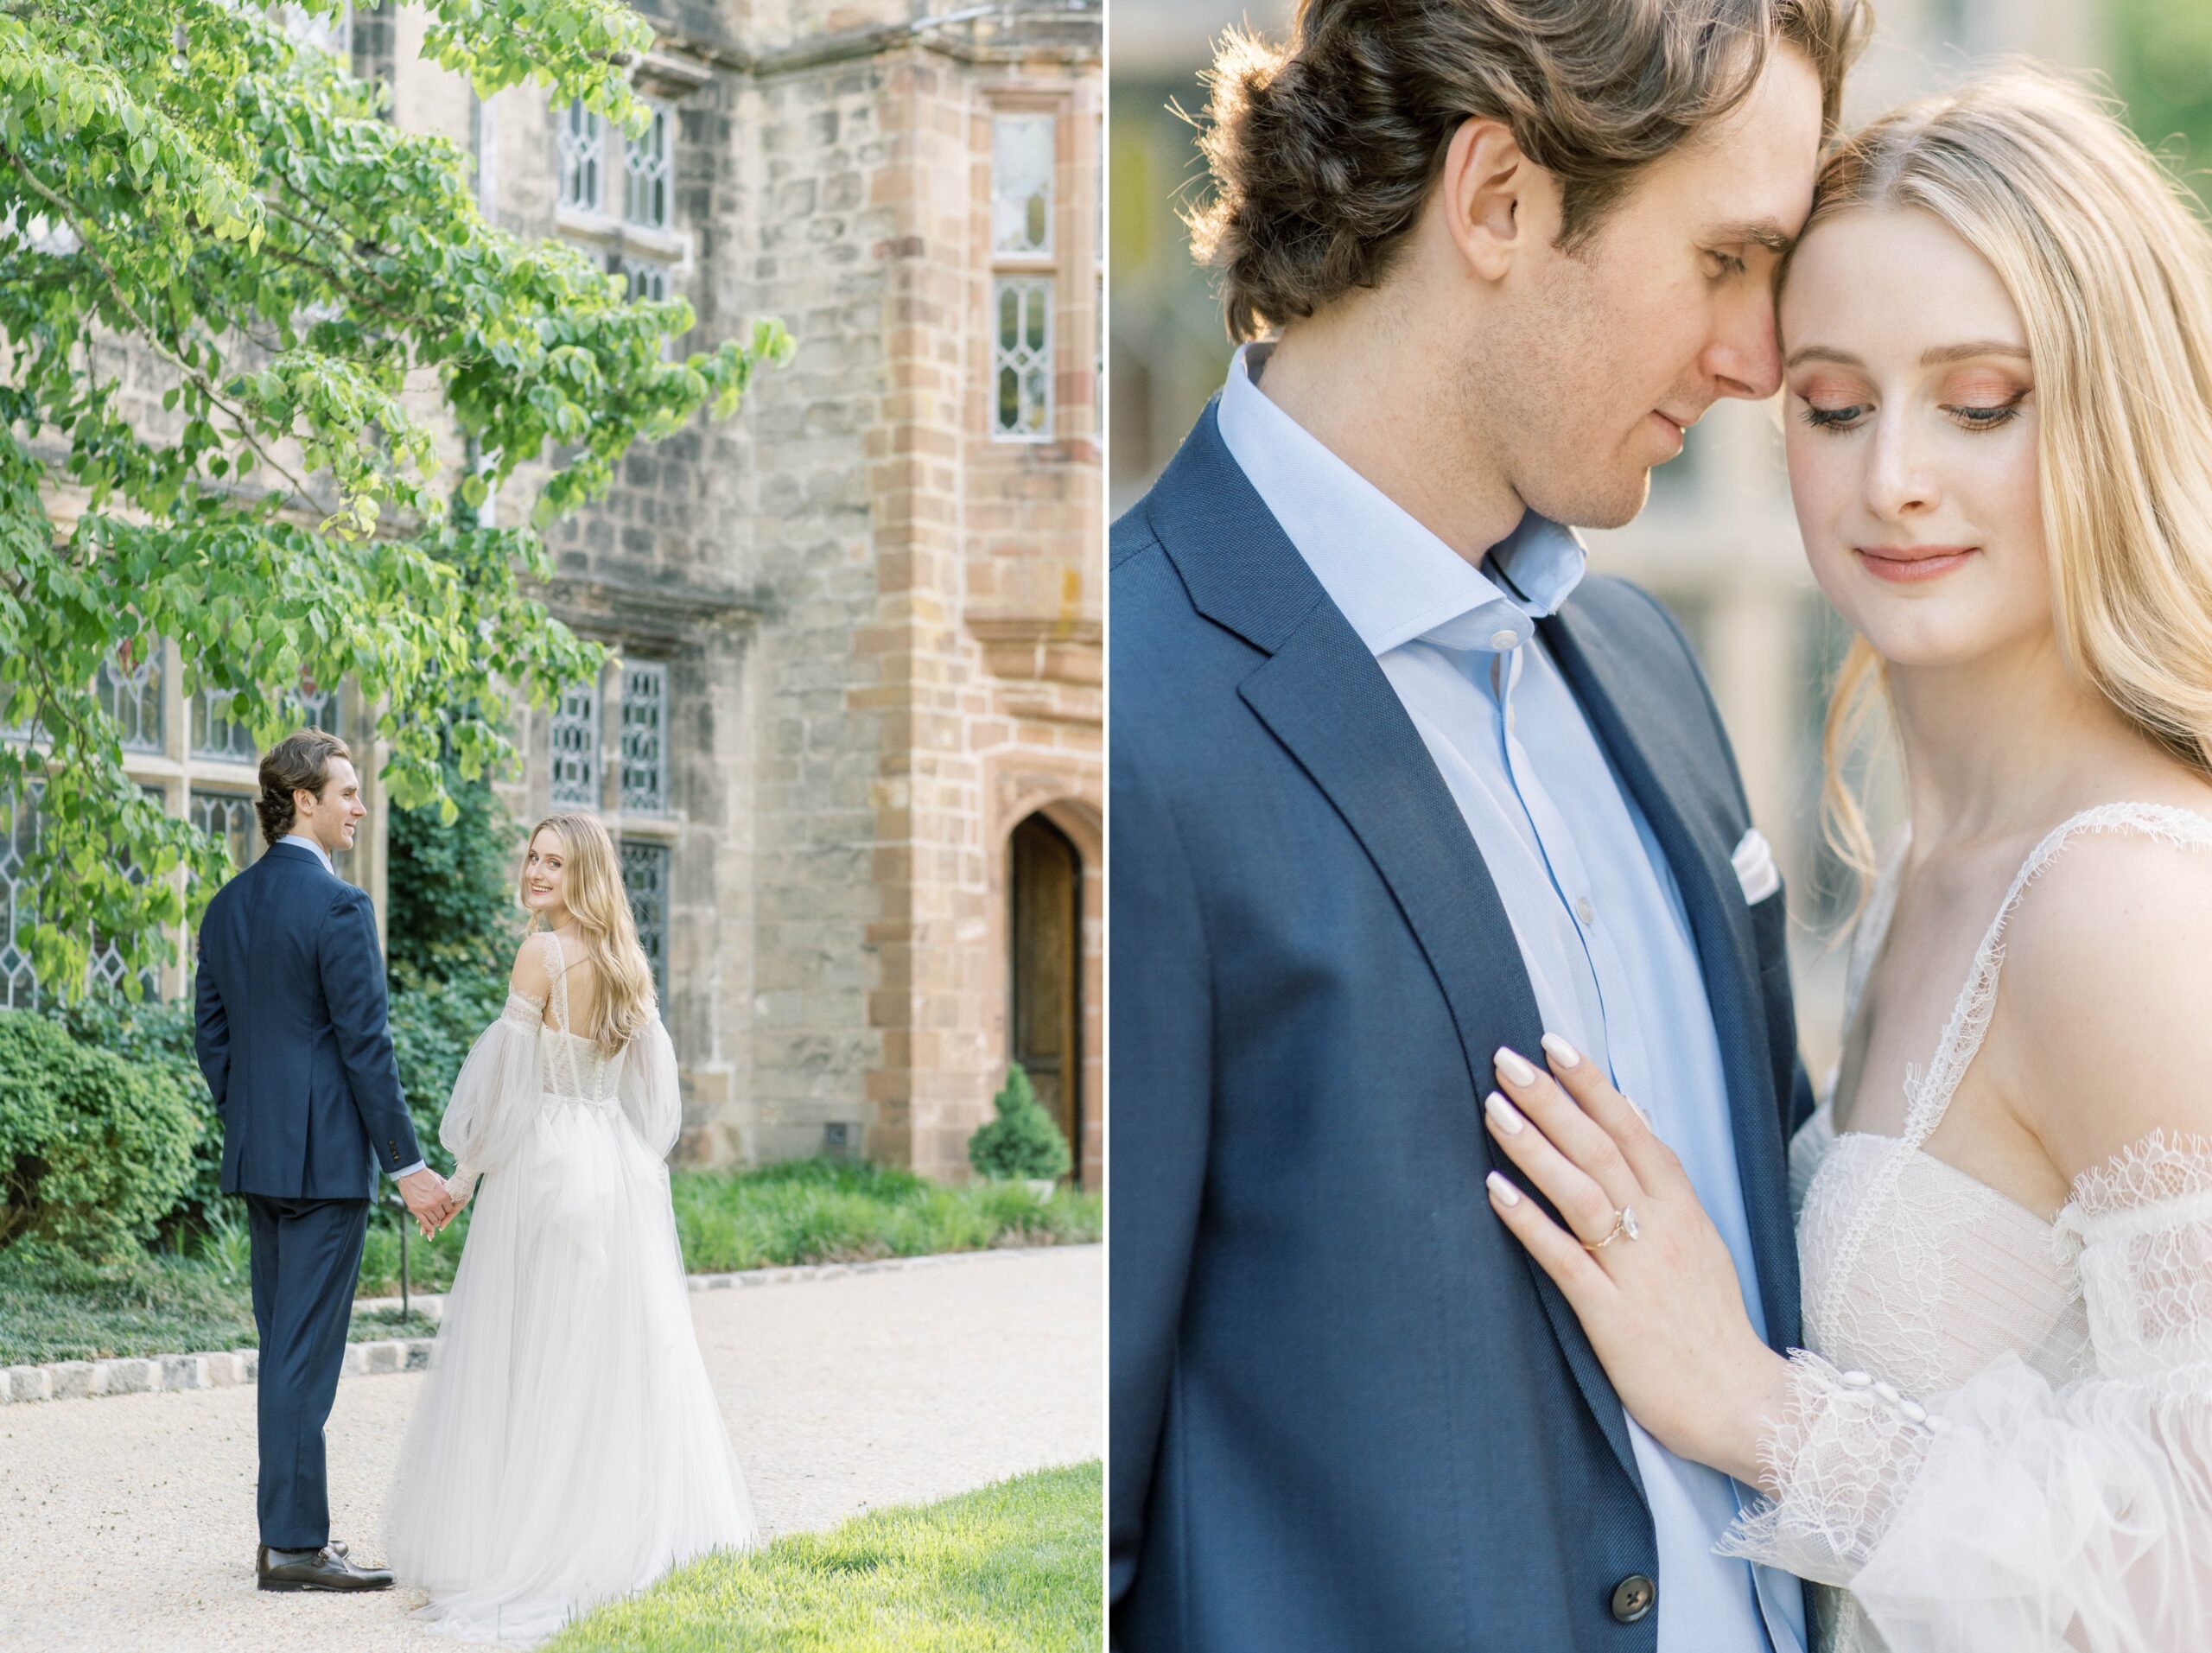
1324	150
298	763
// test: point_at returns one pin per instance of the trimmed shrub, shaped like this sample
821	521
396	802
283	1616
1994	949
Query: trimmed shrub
154	1034
450	893
100	1148
1022	1141
433	1024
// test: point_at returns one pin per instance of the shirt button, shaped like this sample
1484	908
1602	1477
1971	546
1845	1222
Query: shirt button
1584	912
1632	1598
1503	638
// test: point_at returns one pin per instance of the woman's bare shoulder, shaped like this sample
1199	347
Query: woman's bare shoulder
2107	986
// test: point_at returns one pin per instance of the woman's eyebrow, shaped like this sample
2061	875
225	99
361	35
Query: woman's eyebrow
1933	356
1823	352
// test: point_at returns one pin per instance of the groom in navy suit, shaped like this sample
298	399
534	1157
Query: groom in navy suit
292	1039
1397	787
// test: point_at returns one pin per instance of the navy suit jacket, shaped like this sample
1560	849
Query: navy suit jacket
292	1035
1349	1412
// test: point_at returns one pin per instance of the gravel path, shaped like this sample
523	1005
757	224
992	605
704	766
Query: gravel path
127	1520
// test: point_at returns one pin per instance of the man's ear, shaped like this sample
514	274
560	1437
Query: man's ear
1487	191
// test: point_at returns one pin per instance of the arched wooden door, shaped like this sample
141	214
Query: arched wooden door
1044	974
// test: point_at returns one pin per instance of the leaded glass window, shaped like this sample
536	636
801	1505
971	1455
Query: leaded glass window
133	696
108	967
644	738
19	988
646	172
318	709
642	277
229	817
1021	358
581	146
215	734
1022	184
644	876
575	747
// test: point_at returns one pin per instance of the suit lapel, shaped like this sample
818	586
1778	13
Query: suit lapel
1646	742
1322	694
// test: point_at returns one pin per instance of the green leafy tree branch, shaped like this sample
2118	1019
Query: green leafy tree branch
186	188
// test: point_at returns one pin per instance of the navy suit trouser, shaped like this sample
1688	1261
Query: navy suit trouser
307	1258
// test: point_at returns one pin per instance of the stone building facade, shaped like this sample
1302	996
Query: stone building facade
851	743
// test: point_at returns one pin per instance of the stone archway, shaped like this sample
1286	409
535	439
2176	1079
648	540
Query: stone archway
1045	969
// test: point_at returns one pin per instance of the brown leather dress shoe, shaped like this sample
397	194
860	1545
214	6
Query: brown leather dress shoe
327	1568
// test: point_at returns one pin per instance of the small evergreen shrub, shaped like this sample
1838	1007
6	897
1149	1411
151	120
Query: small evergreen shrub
1022	1142
98	1148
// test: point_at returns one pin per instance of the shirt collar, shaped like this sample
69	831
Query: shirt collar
1393	579
306	843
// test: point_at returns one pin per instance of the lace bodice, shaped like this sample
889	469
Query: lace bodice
1908	1266
1933	1303
531	1064
575	1069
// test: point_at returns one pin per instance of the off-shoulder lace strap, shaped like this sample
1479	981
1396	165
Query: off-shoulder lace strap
560	974
1969	1023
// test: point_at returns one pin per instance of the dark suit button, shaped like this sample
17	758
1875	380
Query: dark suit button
1633	1598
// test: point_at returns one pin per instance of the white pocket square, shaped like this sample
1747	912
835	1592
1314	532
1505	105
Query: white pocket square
1755	869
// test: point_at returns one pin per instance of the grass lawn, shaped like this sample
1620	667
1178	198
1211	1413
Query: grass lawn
67	1310
1013	1566
804	1212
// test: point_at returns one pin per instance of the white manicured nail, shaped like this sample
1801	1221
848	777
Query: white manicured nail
1561	1052
1514	1067
1504	1113
1502	1191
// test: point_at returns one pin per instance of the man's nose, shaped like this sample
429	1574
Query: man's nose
1745	358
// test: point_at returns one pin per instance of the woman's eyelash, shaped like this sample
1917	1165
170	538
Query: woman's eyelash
1967	419
1989	418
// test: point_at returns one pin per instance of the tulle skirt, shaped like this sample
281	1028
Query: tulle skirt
567	1449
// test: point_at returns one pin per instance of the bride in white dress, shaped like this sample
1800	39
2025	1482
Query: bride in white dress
567	1448
1998	339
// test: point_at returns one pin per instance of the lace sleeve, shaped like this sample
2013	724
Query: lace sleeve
495	1099
648	1088
2009	1514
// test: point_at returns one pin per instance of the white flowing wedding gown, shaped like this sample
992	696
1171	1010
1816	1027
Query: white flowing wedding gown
567	1448
2004	1441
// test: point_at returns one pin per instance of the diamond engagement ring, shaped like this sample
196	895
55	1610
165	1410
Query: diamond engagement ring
1624	1223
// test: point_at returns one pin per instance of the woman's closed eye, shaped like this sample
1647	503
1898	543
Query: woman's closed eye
1967	416
1986	416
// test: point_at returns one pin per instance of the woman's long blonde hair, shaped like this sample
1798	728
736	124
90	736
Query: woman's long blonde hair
2112	274
592	892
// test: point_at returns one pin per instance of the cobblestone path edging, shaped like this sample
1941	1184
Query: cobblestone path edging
68	1380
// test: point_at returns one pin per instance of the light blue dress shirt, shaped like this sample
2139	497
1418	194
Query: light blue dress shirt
331	866
1593	901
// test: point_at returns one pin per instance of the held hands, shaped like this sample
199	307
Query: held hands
460	1186
429	1200
1662	1306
